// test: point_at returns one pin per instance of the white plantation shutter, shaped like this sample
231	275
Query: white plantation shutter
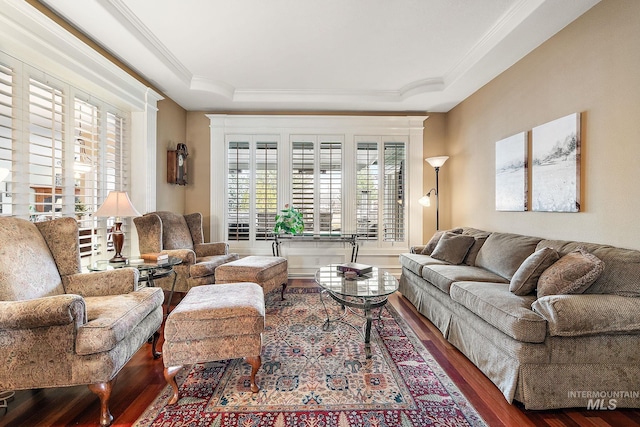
86	152
266	188
330	187
6	139
238	188
367	194
303	181
46	149
394	191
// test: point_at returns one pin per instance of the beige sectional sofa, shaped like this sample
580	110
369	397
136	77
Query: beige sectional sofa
546	351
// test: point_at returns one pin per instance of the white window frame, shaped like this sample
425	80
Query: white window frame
32	38
351	129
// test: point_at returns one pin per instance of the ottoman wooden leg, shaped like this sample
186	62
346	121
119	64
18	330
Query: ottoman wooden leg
170	377
255	363
284	286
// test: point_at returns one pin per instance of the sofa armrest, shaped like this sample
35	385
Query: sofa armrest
43	312
589	314
187	256
101	283
210	249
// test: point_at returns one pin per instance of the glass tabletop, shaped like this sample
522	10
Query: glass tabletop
377	283
139	264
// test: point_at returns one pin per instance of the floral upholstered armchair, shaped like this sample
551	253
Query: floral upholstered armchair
181	236
60	327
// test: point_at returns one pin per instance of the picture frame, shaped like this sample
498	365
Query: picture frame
555	169
512	173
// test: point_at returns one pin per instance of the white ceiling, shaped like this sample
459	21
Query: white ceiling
320	55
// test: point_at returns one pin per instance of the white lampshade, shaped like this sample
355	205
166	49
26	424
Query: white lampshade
438	161
117	204
425	200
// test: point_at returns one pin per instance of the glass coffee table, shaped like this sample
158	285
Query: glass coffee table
366	292
149	271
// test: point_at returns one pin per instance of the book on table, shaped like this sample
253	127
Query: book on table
357	268
155	257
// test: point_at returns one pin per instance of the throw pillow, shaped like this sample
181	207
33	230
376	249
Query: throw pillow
431	245
525	279
452	247
571	274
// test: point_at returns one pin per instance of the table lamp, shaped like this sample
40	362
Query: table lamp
117	205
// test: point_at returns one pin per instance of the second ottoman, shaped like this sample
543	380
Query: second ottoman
267	271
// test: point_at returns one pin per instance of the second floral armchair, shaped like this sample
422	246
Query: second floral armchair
181	236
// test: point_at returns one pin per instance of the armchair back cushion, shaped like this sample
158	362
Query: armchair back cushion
28	270
175	231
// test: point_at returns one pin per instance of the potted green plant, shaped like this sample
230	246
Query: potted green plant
80	208
289	221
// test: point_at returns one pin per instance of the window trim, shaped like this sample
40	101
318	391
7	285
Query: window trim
408	128
34	39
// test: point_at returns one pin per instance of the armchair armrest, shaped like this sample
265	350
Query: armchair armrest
101	283
589	314
42	312
209	249
186	255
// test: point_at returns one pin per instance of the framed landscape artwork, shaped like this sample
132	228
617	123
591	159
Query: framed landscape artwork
555	171
511	173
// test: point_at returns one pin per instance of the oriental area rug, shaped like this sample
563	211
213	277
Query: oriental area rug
316	378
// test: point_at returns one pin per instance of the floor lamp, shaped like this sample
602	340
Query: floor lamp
425	200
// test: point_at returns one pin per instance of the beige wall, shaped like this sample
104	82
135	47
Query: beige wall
198	191
172	129
435	145
591	67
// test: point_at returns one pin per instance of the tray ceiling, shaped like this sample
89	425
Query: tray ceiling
330	55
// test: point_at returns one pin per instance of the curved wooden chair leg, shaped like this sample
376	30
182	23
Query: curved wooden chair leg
154	344
255	363
103	391
284	286
170	377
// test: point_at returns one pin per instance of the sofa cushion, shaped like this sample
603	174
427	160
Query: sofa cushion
110	319
415	262
571	274
579	315
431	244
452	247
442	276
525	279
621	267
503	253
502	309
480	237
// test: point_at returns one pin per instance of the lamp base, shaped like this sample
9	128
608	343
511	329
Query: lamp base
118	260
117	235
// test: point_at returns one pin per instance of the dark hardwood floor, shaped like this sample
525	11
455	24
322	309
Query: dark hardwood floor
141	380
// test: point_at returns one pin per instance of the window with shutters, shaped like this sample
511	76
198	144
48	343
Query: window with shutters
345	175
252	187
393	215
367	179
61	152
6	139
316	182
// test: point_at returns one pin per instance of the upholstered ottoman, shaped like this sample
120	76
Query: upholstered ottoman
214	322
268	271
